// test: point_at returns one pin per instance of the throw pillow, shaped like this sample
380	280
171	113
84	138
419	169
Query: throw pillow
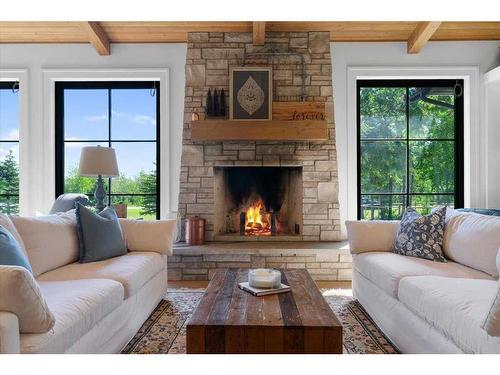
66	202
472	240
100	235
11	253
21	295
422	236
492	322
51	241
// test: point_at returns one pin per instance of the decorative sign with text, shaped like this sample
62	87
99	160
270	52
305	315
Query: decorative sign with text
299	111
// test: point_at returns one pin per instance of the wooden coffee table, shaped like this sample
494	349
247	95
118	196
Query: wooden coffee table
229	320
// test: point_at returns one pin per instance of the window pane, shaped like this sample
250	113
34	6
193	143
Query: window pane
73	183
425	203
85	114
382	207
9	204
143	207
432	166
9	168
383	112
432	113
9	115
137	166
133	114
383	167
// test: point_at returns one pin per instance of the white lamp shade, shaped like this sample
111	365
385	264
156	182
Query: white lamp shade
95	161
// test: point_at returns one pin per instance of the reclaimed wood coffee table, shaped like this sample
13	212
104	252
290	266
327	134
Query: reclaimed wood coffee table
229	320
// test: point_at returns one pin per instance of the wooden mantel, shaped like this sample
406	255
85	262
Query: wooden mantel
265	130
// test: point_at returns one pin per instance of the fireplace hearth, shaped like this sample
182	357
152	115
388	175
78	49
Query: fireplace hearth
258	203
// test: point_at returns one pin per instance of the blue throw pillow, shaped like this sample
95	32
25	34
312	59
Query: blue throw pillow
66	202
99	235
11	253
422	236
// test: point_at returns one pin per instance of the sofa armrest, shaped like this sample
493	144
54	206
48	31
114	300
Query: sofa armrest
365	236
9	333
149	235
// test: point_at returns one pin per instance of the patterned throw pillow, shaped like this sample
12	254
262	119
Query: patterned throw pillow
422	236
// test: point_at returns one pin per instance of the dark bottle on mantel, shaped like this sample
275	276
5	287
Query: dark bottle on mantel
216	104
222	103
209	107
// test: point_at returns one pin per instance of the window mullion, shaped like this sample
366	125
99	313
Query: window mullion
109	139
407	196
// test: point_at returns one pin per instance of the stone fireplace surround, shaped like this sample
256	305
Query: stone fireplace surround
209	59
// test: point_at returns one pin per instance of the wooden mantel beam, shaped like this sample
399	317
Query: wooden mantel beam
421	35
97	37
259	33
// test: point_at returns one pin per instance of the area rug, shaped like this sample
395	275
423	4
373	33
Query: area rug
165	330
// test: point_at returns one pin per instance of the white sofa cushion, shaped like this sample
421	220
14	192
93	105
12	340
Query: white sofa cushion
378	235
473	240
149	235
20	295
387	269
50	241
454	306
132	270
492	322
78	305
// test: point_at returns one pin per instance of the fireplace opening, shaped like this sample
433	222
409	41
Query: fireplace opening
258	202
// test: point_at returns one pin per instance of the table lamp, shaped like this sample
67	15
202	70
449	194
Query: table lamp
98	162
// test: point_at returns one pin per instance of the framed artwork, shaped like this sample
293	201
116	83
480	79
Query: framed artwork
250	93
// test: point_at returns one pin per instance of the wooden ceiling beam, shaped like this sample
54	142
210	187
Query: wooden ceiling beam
97	37
421	35
176	32
259	33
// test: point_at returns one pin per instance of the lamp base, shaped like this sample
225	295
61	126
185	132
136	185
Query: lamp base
100	194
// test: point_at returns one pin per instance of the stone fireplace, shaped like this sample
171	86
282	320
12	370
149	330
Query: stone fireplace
258	203
305	171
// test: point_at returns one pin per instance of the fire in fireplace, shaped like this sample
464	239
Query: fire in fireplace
258	201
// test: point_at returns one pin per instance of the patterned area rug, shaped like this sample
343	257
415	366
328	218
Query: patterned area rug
165	330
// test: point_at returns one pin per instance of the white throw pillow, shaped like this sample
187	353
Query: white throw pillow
7	223
492	321
21	295
149	235
472	240
50	241
371	235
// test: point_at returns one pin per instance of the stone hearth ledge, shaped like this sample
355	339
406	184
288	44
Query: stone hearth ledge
323	260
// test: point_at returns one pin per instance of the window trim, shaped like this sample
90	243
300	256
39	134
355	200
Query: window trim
458	140
8	85
60	86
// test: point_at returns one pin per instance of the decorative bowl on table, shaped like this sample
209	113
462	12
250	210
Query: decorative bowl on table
264	278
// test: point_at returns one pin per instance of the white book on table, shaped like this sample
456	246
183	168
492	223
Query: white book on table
263	292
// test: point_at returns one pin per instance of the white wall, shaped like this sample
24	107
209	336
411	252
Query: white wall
492	111
35	58
436	59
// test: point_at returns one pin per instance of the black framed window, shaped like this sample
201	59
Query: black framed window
122	115
9	147
410	146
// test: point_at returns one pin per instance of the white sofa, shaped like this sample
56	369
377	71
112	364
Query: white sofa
99	306
424	306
